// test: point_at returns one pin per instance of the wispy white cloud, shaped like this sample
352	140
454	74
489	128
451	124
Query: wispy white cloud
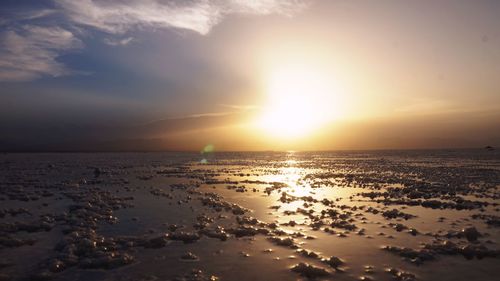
120	16
237	110
240	107
30	51
10	17
118	41
36	14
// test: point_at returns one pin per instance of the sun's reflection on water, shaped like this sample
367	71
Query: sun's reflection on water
292	174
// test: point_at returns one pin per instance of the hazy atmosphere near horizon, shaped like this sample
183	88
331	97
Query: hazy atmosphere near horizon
248	75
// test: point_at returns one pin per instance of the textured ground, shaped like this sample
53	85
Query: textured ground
392	215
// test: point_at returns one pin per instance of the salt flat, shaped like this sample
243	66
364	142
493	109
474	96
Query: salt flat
371	215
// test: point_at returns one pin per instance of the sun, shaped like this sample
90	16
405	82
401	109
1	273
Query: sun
300	99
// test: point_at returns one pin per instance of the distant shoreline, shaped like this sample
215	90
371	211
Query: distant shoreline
493	148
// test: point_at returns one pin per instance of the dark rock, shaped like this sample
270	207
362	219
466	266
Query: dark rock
471	233
310	271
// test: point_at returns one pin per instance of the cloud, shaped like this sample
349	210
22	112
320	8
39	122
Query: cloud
120	16
118	42
240	107
30	52
10	16
29	48
31	15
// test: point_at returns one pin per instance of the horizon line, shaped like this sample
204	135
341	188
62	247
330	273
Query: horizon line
487	147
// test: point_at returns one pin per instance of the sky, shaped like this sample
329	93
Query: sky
248	75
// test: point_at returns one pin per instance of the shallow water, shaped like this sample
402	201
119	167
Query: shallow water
384	215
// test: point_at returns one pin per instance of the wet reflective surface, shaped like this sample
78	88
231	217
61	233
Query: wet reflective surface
387	215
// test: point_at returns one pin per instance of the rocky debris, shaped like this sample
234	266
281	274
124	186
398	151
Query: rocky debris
106	260
186	237
245	254
196	275
429	251
92	203
310	271
248	220
89	250
157	242
217	232
216	202
237	188
287	198
490	220
413	231
81	245
308	254
6	241
44	224
369	269
56	266
401	275
398	226
334	261
188	256
344	224
14	212
471	234
160	192
479	251
414	256
458	203
242	231
97	172
285	242
469	251
434	204
395	213
276	186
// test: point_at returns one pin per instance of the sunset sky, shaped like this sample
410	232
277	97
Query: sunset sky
249	75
